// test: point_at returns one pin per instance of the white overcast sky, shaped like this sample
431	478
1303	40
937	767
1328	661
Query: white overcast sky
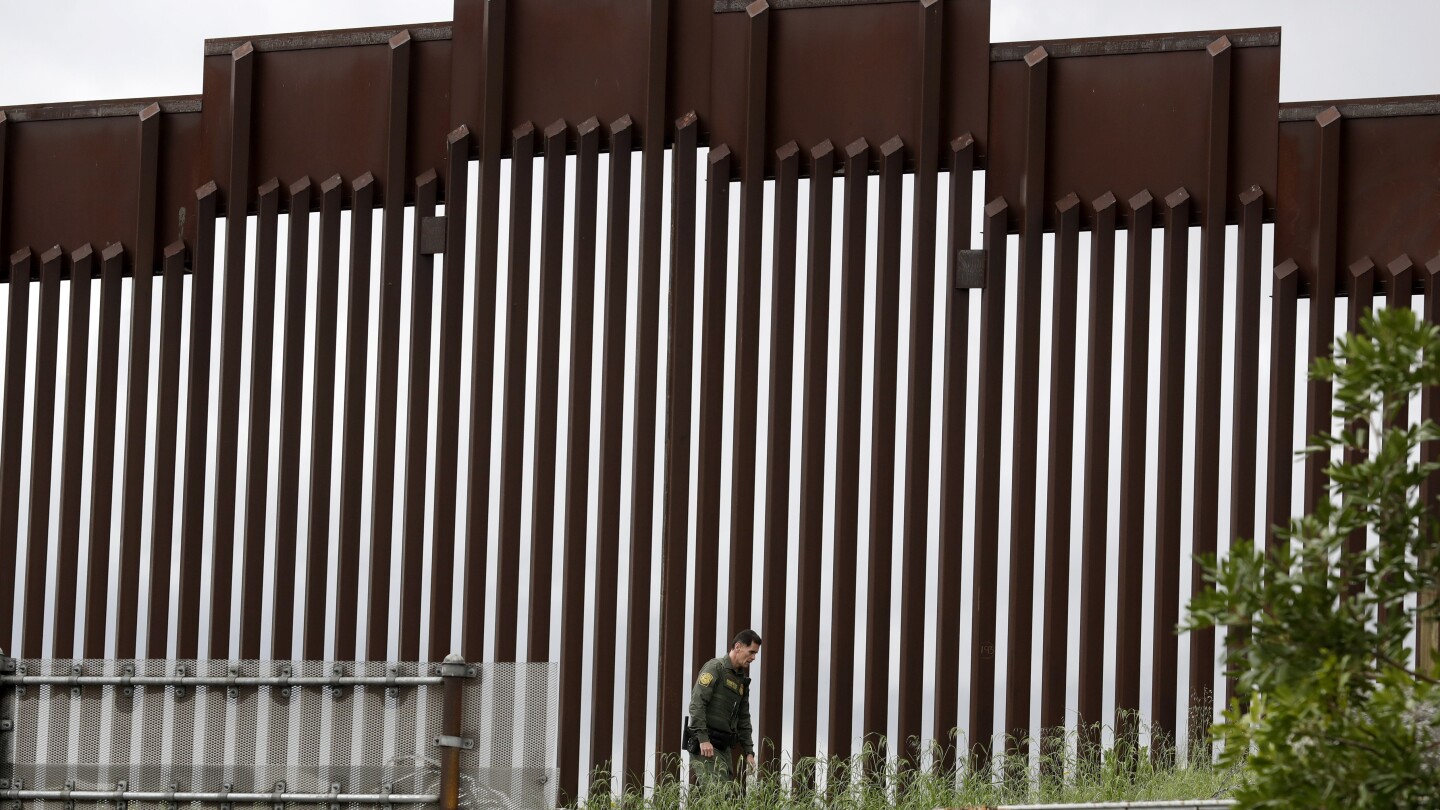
69	50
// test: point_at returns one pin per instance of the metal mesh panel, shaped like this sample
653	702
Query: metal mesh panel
514	719
367	739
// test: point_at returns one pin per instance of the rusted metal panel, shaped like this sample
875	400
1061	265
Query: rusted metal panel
848	72
326	99
1132	114
1381	207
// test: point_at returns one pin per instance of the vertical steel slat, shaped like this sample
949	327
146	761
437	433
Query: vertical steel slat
137	405
647	342
989	450
1362	302
1210	319
232	314
167	410
954	384
1060	472
812	451
197	432
917	423
477	496
882	449
777	455
1095	512
42	438
578	459
747	325
512	438
1134	439
77	366
712	385
447	406
1170	467
547	374
352	429
417	429
262	373
1426	639
1246	392
847	443
1281	454
1246	363
1027	403
712	371
675	527
1322	296
4	129
102	477
17	355
382	498
292	365
612	404
1399	294
322	422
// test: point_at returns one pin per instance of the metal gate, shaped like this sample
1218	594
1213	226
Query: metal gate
806	465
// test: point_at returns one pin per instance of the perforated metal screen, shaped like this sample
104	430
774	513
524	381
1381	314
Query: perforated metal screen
351	740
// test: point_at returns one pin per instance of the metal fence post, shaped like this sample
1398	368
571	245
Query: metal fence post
454	672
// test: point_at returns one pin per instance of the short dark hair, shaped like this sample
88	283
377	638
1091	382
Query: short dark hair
745	638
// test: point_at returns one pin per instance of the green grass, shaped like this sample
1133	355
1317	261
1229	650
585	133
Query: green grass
1114	775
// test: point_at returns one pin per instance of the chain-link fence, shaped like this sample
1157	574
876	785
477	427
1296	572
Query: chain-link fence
260	735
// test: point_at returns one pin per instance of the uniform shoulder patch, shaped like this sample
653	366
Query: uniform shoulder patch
706	678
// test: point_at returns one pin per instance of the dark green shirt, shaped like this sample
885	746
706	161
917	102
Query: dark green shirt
720	702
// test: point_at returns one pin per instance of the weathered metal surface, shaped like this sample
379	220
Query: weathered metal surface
1132	114
1344	195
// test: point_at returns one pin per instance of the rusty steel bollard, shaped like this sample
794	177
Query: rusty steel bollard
454	672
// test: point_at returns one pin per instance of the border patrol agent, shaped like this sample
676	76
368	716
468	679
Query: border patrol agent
720	709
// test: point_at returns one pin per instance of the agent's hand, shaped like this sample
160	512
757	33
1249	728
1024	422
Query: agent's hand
707	750
750	761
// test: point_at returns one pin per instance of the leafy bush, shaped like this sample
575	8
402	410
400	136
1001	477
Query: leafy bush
1339	717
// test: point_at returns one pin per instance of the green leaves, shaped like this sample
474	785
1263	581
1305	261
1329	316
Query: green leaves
1337	717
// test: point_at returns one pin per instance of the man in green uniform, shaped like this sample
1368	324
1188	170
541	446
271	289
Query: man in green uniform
720	709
